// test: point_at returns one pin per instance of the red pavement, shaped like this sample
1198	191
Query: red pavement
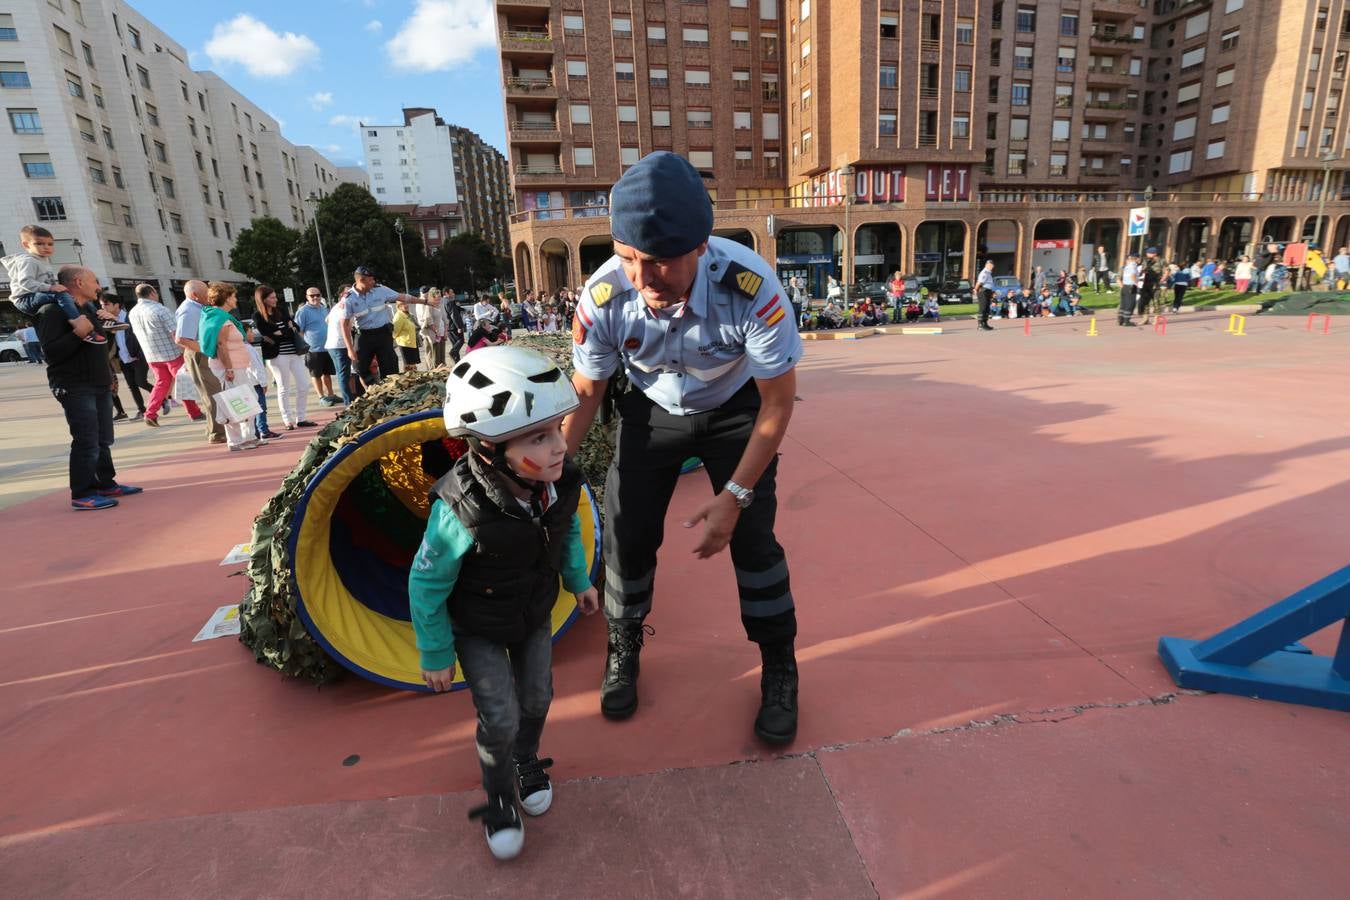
979	526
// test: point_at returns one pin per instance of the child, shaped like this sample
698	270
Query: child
405	337
33	284
503	525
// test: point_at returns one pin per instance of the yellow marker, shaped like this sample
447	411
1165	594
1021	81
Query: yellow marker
1092	328
1237	324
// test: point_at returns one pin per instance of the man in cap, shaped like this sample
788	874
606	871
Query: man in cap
705	333
368	303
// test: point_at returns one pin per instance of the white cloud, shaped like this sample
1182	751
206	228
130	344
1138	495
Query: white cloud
260	50
320	100
443	33
345	121
332	148
374	25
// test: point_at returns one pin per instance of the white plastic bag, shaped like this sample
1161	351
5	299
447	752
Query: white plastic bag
257	369
184	388
237	404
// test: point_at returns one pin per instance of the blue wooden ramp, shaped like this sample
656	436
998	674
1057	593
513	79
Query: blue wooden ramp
1260	656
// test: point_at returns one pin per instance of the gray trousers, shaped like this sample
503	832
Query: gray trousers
199	366
652	444
512	687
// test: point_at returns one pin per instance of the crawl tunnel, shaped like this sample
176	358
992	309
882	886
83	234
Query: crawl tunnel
353	536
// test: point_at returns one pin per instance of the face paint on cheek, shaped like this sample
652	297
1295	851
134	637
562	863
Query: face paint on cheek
530	465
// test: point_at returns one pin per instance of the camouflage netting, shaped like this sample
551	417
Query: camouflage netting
270	625
1333	303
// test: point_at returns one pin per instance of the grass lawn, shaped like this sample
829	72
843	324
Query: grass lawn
1093	300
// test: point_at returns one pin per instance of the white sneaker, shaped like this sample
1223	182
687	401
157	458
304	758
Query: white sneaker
536	791
502	827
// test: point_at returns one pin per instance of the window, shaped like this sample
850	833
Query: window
1314	60
628	113
1302	140
136	257
88	54
1026	19
1225	77
143	75
1308	96
96	173
63	41
13	75
576	68
98	95
228	235
771	126
1183	129
1197	25
1063	96
168	187
697	77
886	123
658	77
806	51
622	27
135	37
1059	130
7	29
117	177
1333	103
740	119
1017	163
206	195
25	121
660	118
74	86
696	37
698	118
117	251
571	25
1188	93
1219	114
106	214
887	76
1179	162
184	257
1022	57
701	159
1232	6
1059	163
962	80
768	45
769	86
890	26
583	156
152	114
1192	58
993	90
1021	93
965	31
1094	132
805	10
580	113
623	71
1020	130
1067	55
37	165
960	126
176	223
1229	40
1068	25
49	209
656	34
160	153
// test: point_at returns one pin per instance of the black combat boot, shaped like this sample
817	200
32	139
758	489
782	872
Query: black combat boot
618	692
777	719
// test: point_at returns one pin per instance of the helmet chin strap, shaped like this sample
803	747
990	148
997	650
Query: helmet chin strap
497	457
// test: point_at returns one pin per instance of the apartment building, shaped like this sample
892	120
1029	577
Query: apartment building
425	164
144	169
940	132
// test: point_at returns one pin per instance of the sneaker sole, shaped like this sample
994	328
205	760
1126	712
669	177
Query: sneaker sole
543	806
506	847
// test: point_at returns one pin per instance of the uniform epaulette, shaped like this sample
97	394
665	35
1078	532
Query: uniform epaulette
740	279
604	288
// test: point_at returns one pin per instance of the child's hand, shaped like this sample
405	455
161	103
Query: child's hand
588	601
57	288
439	680
82	326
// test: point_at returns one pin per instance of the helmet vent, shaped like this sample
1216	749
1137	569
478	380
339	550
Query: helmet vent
548	377
499	402
479	380
529	403
461	369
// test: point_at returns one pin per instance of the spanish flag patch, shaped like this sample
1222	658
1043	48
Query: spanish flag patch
776	317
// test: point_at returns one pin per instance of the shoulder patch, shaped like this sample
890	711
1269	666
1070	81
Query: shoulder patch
601	291
741	279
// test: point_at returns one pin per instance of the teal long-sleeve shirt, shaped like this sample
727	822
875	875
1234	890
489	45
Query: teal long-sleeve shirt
435	570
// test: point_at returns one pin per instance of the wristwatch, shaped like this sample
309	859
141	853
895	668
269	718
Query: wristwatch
744	495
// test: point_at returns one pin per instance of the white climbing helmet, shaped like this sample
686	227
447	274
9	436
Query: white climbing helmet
497	393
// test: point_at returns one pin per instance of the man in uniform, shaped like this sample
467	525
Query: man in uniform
1129	283
368	302
705	332
984	285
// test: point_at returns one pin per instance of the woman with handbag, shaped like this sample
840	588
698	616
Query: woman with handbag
283	350
222	341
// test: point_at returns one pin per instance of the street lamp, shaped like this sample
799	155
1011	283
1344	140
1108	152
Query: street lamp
848	240
398	226
77	245
313	200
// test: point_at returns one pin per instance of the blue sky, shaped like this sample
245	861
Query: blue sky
319	66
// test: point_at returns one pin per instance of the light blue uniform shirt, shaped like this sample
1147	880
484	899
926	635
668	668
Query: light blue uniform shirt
737	325
189	319
371	309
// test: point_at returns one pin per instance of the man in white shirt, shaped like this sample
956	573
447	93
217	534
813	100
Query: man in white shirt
154	327
31	345
1129	284
484	309
339	336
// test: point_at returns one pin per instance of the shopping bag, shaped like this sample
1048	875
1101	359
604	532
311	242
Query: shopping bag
184	388
237	404
256	369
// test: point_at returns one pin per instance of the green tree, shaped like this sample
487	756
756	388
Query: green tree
265	252
453	261
357	232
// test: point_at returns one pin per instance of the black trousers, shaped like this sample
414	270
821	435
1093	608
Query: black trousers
1127	294
138	378
89	418
986	295
652	444
376	344
1178	294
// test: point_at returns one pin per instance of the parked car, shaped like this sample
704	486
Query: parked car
1006	284
11	350
956	292
869	290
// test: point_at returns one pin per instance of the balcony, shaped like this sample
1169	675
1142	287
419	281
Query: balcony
1113	40
538	174
535	133
927	140
1106	172
928	93
522	40
531	87
1098	75
928	45
1108	109
505	5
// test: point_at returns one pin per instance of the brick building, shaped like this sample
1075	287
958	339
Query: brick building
939	133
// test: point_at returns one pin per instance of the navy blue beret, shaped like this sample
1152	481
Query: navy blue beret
660	207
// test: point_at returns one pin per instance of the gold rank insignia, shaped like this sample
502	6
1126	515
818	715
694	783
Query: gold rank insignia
743	279
600	293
